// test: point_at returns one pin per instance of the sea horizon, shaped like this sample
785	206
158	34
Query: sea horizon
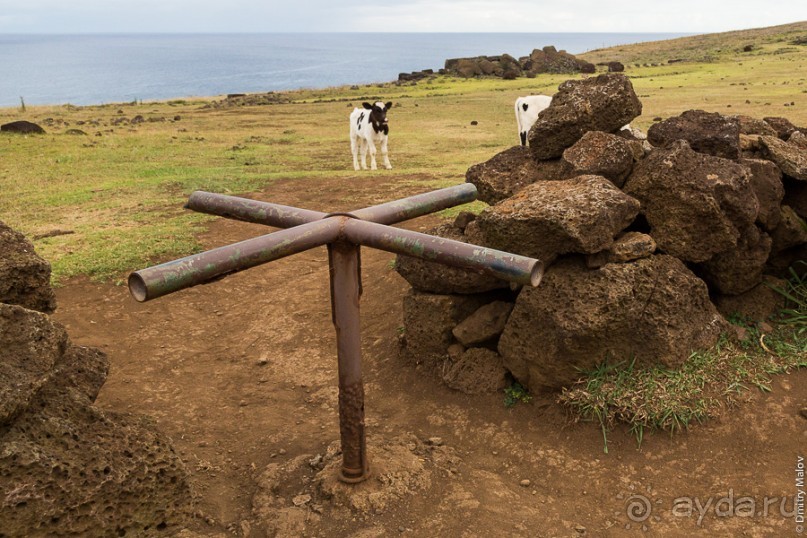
101	68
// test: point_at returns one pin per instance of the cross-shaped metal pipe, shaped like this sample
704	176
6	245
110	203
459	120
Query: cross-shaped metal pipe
344	233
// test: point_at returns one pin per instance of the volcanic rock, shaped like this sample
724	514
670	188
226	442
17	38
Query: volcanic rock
791	232
739	269
21	127
706	132
485	324
478	371
696	205
791	158
653	311
601	154
783	127
436	277
550	60
546	219
626	248
429	319
753	126
796	196
511	170
603	103
24	276
766	181
759	303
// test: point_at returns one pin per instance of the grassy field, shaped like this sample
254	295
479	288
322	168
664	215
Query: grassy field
120	187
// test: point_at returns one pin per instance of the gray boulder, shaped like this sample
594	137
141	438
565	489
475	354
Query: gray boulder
547	219
653	311
603	103
601	154
706	132
697	205
510	171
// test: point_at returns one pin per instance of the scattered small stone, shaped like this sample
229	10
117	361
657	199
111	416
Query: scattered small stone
242	403
301	500
435	441
524	483
580	528
474	122
804	412
282	451
263	361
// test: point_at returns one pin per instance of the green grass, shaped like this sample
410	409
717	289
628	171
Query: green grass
659	398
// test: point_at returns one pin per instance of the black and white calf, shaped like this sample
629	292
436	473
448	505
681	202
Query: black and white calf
527	109
368	125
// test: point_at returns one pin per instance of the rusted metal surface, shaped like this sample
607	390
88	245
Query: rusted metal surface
233	207
343	233
345	293
169	277
282	216
502	265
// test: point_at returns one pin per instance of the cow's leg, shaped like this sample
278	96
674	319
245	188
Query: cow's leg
387	164
371	147
363	150
523	138
354	149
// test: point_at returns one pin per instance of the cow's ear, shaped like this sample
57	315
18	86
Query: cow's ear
388	105
368	106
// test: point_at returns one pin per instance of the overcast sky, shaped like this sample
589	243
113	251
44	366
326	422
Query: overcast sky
112	16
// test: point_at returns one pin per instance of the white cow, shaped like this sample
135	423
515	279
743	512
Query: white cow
527	109
368	125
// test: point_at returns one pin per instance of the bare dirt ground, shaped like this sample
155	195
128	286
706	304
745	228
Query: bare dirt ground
241	374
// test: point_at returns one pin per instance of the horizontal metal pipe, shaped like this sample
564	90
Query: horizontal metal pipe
502	265
235	207
169	277
418	205
282	216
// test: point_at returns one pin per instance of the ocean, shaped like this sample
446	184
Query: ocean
111	68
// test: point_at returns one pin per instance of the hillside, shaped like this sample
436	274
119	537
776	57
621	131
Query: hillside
706	47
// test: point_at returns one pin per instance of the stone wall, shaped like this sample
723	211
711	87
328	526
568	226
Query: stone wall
650	242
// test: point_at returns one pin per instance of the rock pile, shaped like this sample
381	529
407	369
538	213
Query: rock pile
66	467
546	60
648	243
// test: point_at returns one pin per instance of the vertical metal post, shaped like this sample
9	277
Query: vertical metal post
345	291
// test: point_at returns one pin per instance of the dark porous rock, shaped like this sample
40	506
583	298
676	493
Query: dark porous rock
601	154
428	322
510	171
766	180
783	127
796	196
706	132
626	248
436	277
67	468
551	60
653	311
696	205
753	126
615	67
781	264
550	218
791	232
757	304
483	325
478	371
24	276
739	269
30	346
603	103
21	127
791	158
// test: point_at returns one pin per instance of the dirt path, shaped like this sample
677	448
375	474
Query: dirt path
242	374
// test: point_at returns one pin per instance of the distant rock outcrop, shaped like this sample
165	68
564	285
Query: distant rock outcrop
21	127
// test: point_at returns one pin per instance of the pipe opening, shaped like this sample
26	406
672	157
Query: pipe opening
537	274
137	287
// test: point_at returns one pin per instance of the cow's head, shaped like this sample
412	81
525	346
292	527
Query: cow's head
378	115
